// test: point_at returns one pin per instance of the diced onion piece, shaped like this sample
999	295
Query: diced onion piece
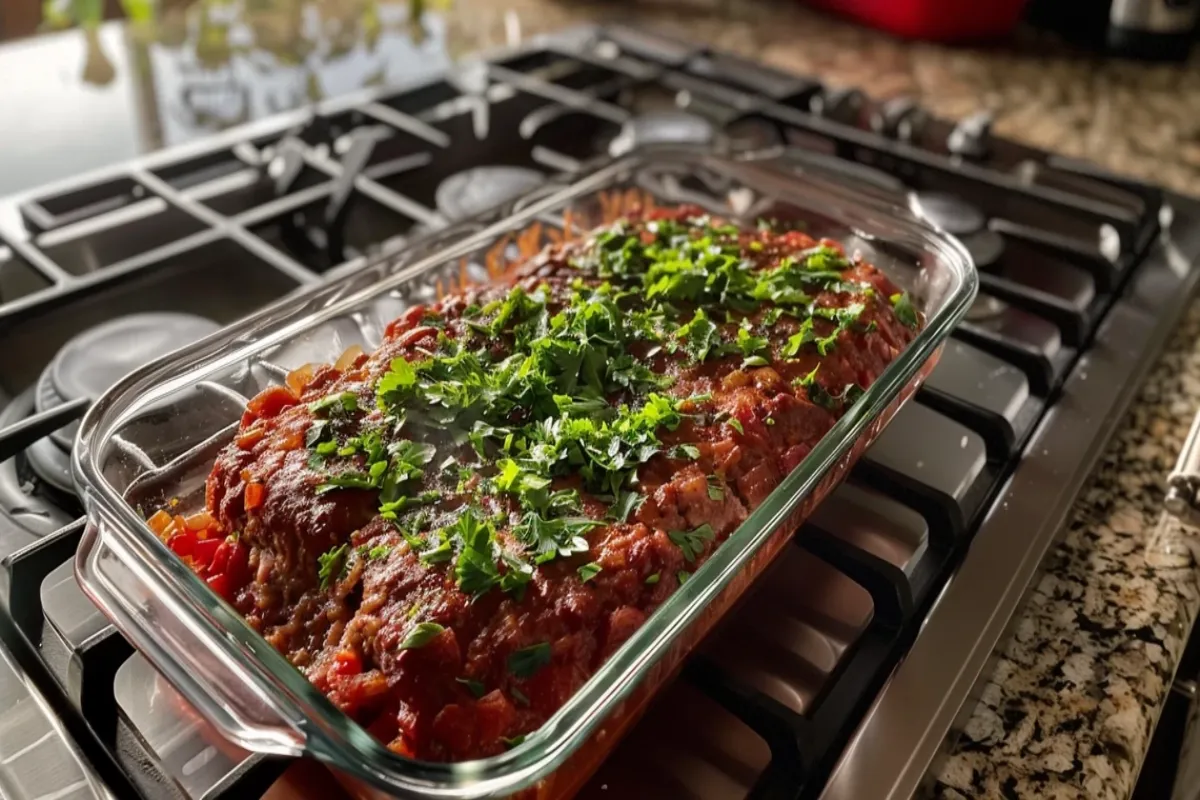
200	521
347	359
159	522
299	378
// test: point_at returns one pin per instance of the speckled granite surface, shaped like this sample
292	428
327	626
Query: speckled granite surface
1135	118
1078	690
1071	708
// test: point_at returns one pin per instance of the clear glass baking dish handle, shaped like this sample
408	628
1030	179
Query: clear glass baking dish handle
239	711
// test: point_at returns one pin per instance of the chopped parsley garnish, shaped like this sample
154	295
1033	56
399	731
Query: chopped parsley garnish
340	403
330	565
476	688
549	393
652	579
378	551
513	741
588	571
475	568
820	396
692	542
421	634
526	662
554	537
754	349
715	492
682	576
628	502
902	305
700	336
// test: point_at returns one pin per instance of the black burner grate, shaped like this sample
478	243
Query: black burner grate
220	229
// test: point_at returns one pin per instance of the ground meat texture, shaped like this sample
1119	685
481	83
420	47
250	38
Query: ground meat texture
354	598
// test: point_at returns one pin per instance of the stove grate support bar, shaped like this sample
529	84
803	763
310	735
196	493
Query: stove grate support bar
22	573
39	261
801	744
250	779
850	136
227	228
17	437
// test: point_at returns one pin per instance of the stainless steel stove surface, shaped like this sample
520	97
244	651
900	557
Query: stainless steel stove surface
844	673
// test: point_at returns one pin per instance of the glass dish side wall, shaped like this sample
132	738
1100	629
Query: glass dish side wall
152	439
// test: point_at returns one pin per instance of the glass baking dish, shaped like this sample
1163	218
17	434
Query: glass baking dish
151	441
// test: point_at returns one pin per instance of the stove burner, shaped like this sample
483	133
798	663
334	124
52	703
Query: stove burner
662	127
22	498
467	193
952	214
87	365
986	247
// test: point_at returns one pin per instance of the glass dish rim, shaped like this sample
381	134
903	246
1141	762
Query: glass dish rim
321	729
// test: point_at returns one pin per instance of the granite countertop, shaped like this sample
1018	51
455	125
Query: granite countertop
1078	690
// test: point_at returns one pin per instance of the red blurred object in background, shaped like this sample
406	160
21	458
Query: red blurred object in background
938	20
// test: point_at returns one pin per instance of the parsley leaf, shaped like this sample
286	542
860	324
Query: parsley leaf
399	379
331	564
652	579
692	542
476	688
902	305
421	634
340	403
700	336
526	662
588	571
627	503
554	537
715	492
754	349
475	568
378	551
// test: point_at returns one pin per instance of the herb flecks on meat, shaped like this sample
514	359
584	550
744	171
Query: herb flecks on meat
451	534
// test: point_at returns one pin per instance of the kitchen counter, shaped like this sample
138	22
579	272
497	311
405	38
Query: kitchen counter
1080	686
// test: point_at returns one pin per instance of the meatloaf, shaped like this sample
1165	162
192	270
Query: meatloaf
449	535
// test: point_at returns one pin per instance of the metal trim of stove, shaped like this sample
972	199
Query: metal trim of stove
928	694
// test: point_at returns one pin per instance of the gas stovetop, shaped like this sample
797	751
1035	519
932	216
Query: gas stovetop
843	675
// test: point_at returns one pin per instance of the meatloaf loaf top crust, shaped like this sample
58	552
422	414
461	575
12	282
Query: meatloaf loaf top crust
449	535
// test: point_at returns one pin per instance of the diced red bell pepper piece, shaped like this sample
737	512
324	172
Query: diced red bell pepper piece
255	494
405	321
220	585
347	663
238	565
416	335
182	544
204	550
268	403
220	559
494	716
